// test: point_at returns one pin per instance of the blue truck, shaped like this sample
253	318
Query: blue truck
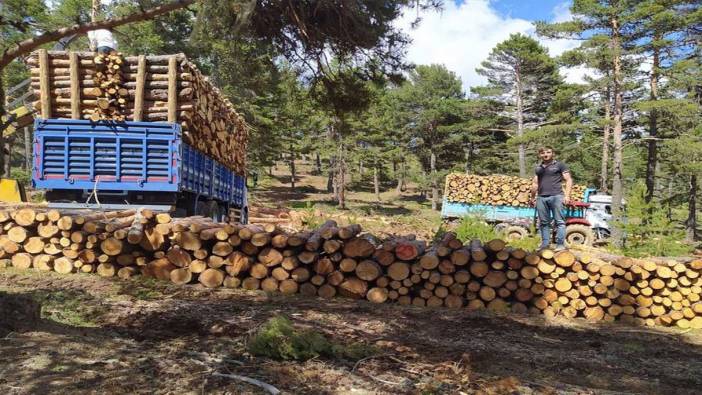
115	165
587	222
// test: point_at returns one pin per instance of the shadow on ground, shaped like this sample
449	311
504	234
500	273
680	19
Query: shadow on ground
172	340
384	209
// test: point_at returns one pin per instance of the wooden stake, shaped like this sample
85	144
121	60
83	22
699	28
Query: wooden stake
139	90
172	87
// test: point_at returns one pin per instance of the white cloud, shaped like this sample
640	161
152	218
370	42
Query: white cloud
561	12
462	36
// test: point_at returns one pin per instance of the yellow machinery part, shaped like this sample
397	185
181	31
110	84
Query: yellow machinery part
11	191
21	117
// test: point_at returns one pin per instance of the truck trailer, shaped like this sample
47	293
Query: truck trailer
587	221
115	131
112	165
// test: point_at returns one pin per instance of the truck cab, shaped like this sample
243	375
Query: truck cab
599	214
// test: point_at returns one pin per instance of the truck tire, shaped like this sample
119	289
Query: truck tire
201	209
244	216
222	213
213	211
578	234
515	232
180	213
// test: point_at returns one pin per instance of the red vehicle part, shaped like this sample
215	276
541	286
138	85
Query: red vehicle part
581	221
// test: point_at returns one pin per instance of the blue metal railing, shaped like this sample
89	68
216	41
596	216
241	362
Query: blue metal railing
127	156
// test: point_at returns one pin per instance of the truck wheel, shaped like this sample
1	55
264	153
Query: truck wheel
515	232
244	217
180	213
579	235
212	211
201	209
222	213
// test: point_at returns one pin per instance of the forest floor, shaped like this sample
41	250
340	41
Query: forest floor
86	334
395	213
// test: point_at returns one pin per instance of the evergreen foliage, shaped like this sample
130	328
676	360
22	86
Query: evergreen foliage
524	78
649	231
279	339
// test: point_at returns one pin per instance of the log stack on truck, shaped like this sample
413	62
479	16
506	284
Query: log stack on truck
142	129
505	202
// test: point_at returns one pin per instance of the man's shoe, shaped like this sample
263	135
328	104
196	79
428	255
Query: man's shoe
541	248
559	247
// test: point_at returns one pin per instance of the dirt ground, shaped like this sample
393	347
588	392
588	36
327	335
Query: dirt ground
395	214
86	334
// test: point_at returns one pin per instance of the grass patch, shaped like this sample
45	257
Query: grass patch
69	308
529	243
278	339
144	288
471	227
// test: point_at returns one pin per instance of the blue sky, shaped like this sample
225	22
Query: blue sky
526	9
463	33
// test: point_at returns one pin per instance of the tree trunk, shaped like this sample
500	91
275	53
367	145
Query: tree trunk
2	112
341	179
376	183
652	158
434	187
341	188
604	176
617	181
670	199
292	168
360	167
8	161
318	163
469	158
400	177
520	127
95	10
691	222
27	149
331	187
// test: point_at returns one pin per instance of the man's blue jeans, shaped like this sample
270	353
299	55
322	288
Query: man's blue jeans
550	208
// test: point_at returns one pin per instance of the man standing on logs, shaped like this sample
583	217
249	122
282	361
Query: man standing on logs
547	191
102	41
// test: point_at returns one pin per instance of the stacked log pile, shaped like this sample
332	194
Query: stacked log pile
112	99
165	88
495	190
340	260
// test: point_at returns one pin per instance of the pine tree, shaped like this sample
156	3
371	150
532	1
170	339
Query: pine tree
604	21
293	120
484	133
685	115
521	74
657	29
596	55
342	91
373	129
431	103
